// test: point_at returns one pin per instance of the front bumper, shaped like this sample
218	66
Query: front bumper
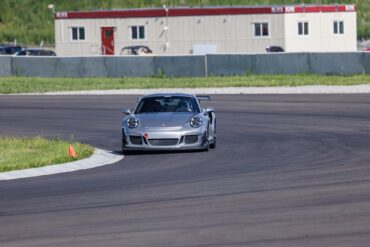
164	140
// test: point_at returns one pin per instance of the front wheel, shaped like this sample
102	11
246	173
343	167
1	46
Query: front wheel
213	144
123	148
206	141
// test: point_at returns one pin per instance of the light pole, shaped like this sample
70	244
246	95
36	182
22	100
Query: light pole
167	44
51	7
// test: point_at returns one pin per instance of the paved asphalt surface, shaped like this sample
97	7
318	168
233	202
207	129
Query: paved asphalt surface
287	171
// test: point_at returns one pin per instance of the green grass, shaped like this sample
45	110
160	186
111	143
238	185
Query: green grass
29	152
9	85
30	21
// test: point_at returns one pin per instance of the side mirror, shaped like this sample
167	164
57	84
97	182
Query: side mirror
208	110
127	111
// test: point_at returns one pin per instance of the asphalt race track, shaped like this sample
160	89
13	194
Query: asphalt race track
288	170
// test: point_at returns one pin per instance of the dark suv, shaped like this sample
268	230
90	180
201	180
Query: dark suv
35	52
9	49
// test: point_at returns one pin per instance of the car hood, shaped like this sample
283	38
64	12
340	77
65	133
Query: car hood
164	119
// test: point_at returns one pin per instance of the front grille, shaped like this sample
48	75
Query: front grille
136	140
191	139
163	142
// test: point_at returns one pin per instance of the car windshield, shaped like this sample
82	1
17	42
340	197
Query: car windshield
168	104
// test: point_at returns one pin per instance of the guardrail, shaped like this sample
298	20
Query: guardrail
188	65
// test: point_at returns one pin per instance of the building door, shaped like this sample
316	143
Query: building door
107	40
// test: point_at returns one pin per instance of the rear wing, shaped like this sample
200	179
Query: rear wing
205	97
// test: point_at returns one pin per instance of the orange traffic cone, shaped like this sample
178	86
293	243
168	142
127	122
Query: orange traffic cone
72	152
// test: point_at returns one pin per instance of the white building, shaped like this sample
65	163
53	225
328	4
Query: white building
190	30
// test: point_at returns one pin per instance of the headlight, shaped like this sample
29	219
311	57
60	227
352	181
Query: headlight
196	122
132	122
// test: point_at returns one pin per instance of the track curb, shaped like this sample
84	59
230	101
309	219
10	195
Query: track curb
99	158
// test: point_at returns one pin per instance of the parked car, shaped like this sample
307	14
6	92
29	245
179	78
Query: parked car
136	50
275	49
9	49
35	52
169	122
366	49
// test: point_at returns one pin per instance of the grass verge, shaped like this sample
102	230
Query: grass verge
9	85
29	152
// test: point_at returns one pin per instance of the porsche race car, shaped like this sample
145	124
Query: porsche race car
169	122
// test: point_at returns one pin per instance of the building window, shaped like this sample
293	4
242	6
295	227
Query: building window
303	28
261	29
338	27
137	32
77	33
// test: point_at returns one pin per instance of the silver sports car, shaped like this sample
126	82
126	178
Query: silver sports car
169	122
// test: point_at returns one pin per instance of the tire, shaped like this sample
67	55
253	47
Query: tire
206	135
123	148
206	149
213	144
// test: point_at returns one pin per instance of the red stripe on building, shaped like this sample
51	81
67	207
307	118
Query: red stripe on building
115	14
137	13
324	8
219	11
